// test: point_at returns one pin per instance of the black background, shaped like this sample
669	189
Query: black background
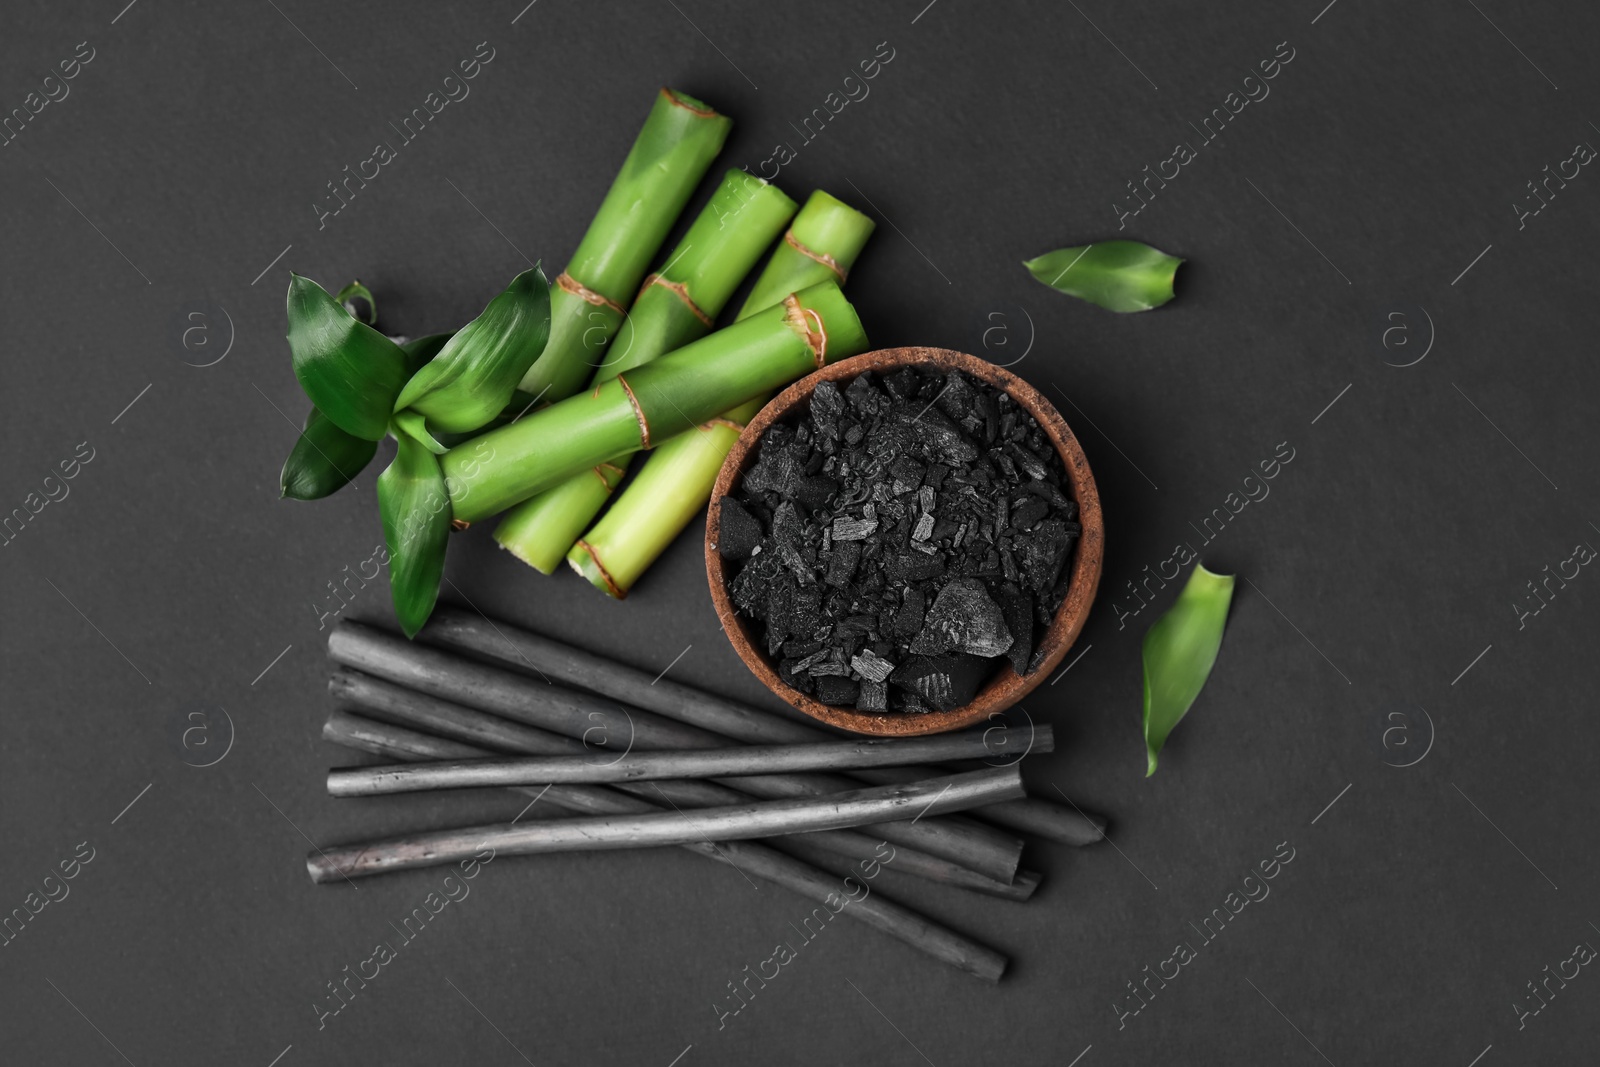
1387	558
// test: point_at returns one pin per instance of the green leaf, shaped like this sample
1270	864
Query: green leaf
347	297
416	525
1116	275
351	372
1179	650
472	378
324	459
412	422
419	350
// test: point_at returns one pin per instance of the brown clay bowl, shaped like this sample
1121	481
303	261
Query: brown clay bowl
1006	687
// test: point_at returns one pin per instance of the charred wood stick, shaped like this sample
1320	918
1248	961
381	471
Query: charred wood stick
742	822
748	857
594	768
377	699
577	714
563	664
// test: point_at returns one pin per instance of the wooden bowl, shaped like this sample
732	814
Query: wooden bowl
1006	687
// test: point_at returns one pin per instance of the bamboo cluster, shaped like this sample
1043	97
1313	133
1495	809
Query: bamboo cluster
493	418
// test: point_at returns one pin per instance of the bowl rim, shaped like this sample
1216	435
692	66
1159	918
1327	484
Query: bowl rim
1006	688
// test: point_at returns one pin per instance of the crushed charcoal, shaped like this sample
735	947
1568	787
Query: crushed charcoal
901	541
738	531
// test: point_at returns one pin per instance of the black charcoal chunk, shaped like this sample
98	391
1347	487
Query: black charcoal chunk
872	666
842	567
1017	608
904	383
907	474
814	491
908	620
827	408
874	696
944	439
964	618
845	529
863	395
833	689
738	531
956	396
1044	549
1052	492
1026	515
945	682
1028	461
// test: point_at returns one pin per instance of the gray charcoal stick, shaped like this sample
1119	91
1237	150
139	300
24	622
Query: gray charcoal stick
749	857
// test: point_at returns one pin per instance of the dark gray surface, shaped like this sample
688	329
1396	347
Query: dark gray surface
1385	561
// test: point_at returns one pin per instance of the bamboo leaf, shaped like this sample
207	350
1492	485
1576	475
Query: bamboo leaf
324	459
347	297
419	350
1116	275
472	378
351	372
1179	650
416	525
412	423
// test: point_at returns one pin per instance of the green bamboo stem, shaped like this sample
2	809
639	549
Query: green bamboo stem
662	398
674	484
677	305
672	153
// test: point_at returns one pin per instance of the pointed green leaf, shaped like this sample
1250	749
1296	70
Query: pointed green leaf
324	459
416	525
472	378
1179	650
419	350
347	297
1116	275
412	423
351	372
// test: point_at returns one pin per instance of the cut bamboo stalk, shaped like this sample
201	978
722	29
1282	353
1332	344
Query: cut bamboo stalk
597	768
672	153
375	698
857	807
577	714
523	650
750	858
